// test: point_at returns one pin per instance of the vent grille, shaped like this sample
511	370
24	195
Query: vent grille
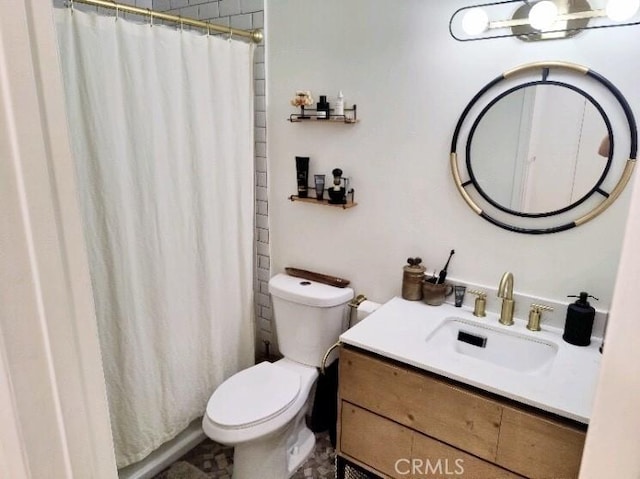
346	470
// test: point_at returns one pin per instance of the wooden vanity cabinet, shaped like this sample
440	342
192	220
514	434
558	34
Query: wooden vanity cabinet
398	422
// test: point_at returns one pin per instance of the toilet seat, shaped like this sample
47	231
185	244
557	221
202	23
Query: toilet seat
253	396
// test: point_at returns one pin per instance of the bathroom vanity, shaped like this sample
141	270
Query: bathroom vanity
414	401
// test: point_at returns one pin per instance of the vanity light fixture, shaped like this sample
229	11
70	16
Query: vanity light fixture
530	20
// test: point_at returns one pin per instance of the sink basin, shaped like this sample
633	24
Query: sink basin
497	346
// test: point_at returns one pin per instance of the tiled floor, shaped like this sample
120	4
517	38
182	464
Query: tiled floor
210	460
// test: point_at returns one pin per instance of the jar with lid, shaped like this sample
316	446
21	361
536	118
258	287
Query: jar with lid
412	277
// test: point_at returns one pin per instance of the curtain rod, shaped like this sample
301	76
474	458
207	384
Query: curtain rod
255	36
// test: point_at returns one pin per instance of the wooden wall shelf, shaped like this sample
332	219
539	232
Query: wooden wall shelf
324	202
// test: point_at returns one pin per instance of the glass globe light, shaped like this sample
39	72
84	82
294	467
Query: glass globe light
475	21
543	15
621	10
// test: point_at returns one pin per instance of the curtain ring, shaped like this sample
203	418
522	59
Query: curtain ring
150	12
181	25
70	5
230	34
117	12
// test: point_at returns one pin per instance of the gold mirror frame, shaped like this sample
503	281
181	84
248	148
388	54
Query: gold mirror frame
544	68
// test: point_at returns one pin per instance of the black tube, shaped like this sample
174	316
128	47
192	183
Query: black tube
302	173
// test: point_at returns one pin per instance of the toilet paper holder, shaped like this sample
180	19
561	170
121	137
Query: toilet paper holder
357	301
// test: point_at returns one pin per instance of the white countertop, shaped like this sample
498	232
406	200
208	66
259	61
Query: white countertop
400	328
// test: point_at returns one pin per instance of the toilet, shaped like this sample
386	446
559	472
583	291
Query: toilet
261	410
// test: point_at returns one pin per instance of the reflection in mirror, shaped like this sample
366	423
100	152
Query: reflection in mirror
542	148
520	162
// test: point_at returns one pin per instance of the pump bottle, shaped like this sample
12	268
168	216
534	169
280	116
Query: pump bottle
579	323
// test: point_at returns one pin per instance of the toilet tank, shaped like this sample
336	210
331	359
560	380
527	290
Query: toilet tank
309	317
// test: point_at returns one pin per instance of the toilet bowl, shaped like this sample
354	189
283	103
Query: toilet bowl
261	410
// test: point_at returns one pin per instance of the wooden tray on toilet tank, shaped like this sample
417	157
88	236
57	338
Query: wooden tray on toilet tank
318	277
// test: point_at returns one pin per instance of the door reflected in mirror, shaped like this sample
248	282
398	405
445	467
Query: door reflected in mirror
533	151
520	161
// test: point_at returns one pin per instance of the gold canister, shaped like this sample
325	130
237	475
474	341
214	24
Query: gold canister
412	277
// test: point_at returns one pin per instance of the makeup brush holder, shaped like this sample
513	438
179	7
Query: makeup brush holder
435	294
337	197
338	192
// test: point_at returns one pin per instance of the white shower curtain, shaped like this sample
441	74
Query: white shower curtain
162	131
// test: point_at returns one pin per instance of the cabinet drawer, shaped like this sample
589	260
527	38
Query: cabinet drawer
373	440
401	453
426	404
434	459
538	447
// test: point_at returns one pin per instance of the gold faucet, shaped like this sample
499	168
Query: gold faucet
505	291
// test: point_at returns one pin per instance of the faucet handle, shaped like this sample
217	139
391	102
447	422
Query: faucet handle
480	303
535	314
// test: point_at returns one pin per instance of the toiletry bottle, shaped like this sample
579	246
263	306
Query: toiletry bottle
579	322
322	109
338	107
302	173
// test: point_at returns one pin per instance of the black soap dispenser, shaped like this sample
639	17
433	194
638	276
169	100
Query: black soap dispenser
579	322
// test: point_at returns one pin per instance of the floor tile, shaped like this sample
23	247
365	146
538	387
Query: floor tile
216	461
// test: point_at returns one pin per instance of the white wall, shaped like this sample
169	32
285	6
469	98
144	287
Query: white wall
411	81
613	441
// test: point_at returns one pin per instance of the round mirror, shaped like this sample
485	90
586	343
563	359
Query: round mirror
522	166
539	148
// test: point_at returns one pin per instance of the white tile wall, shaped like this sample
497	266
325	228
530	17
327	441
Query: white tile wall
230	7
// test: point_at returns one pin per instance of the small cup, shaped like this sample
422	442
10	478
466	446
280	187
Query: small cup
459	291
434	294
319	180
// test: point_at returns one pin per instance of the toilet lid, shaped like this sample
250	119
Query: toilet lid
253	396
